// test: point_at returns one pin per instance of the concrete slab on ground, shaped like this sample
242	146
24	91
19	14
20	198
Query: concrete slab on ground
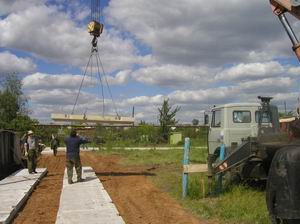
15	190
86	202
156	148
48	150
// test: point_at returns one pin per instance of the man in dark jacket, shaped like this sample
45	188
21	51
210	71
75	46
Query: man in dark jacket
54	144
283	191
73	143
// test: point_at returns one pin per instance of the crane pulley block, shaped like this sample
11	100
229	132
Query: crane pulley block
95	28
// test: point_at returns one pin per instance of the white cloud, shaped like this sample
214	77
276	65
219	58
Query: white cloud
251	71
206	96
174	75
202	32
10	63
40	81
56	81
270	86
205	58
144	100
9	6
49	33
120	78
60	97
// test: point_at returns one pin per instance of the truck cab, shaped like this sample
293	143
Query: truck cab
230	123
251	136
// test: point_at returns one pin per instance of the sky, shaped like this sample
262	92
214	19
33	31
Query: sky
195	53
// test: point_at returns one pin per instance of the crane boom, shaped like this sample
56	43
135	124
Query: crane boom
279	8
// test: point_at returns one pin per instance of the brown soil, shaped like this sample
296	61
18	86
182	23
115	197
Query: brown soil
137	200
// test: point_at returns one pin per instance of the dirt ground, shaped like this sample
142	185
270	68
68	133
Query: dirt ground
137	200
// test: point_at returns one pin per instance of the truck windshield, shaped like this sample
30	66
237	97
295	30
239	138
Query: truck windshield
265	117
216	118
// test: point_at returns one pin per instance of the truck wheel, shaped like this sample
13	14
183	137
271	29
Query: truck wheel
232	177
254	170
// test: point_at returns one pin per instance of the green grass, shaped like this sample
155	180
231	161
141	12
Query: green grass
238	205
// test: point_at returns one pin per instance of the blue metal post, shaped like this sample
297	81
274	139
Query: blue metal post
222	152
220	176
185	162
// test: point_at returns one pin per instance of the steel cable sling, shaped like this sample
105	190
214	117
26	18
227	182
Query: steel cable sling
95	29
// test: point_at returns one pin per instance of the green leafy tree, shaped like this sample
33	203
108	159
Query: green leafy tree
13	105
22	123
167	118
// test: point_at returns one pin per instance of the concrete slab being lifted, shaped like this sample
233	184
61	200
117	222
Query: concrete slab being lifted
15	190
92	118
86	202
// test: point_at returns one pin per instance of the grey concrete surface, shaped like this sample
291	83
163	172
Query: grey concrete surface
15	190
86	202
48	150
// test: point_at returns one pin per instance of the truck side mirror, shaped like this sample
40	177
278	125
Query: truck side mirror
206	119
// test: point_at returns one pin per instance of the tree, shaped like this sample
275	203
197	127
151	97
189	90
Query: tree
288	114
22	123
167	118
13	103
195	122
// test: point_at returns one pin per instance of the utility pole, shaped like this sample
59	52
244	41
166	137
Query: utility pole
285	108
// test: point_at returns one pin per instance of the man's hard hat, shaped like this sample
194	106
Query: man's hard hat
30	132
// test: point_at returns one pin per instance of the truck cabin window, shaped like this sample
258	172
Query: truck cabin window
241	116
264	119
216	118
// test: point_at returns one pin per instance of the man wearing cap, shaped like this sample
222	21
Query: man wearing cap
31	147
73	143
283	194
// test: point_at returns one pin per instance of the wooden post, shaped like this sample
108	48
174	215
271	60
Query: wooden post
203	187
185	162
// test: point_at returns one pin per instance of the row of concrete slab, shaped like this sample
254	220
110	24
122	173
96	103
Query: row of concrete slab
83	202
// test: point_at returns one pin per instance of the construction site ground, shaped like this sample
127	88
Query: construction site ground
136	198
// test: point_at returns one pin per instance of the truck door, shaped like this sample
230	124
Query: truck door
241	126
214	136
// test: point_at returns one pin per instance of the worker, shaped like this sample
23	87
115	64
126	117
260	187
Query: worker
73	143
54	144
31	147
282	193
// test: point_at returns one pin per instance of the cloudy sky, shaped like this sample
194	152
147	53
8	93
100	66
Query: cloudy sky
197	53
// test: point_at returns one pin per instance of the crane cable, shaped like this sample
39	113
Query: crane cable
95	10
105	77
96	31
98	62
81	83
100	79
